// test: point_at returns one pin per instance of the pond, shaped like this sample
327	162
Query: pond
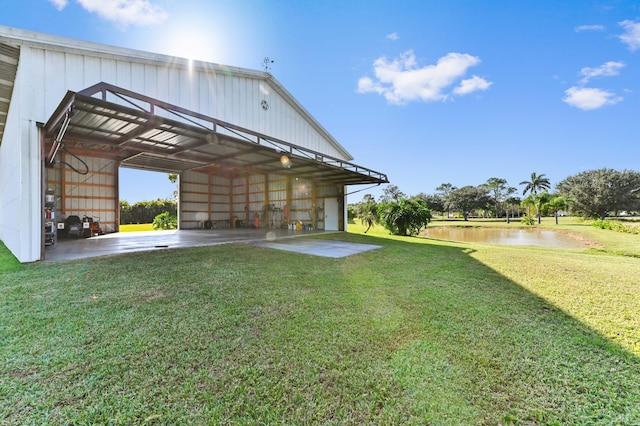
513	237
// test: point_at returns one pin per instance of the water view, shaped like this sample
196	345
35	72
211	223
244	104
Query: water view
514	237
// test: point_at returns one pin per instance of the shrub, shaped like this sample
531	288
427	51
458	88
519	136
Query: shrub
614	225
406	217
165	221
528	220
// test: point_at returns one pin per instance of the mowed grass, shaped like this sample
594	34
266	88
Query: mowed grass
136	227
416	332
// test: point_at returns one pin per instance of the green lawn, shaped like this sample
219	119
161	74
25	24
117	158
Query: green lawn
417	332
137	227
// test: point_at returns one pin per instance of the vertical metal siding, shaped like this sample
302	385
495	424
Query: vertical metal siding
138	75
185	96
150	82
74	71
45	75
108	71
32	95
12	192
194	200
220	200
225	96
162	90
123	73
174	85
203	88
93	194
92	71
54	77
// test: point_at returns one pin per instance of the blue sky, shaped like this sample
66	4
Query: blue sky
427	92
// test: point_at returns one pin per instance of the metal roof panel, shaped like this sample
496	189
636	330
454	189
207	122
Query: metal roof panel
141	138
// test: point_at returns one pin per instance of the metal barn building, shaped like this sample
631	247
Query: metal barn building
73	112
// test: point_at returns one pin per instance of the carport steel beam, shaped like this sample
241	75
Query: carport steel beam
143	112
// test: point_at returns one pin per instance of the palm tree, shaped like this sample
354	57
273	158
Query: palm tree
369	218
557	203
541	200
537	182
368	211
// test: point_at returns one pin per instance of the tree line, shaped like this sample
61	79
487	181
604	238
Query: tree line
146	211
594	194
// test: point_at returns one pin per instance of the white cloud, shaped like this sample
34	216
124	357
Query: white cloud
589	28
59	4
401	80
631	37
393	36
471	85
589	98
608	69
366	85
125	12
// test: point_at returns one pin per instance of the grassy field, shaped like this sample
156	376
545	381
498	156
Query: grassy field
416	332
137	227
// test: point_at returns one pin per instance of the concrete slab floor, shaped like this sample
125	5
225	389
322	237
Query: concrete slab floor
129	242
325	248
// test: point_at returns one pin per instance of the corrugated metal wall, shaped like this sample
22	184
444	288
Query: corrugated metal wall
231	97
193	200
14	196
93	195
271	201
275	216
47	71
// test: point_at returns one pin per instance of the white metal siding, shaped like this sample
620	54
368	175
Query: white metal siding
47	70
14	195
20	193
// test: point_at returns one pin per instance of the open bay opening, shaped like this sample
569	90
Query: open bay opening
145	194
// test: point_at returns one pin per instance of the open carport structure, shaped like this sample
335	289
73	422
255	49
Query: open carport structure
247	153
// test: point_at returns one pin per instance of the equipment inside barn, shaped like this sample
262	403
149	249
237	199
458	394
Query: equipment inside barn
50	227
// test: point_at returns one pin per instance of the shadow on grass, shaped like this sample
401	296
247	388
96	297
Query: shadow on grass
411	333
514	352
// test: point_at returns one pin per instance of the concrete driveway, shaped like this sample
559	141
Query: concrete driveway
130	242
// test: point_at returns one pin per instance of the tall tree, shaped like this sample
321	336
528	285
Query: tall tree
556	204
368	211
537	201
392	193
469	198
499	190
597	193
434	202
537	183
512	202
445	190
